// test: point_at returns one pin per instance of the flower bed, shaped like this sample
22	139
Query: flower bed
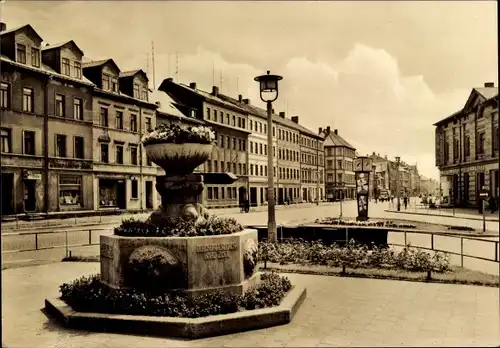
177	135
178	227
88	294
373	223
353	256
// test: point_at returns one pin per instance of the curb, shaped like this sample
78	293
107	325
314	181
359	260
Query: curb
489	219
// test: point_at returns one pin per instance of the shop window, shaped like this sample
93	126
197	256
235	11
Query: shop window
108	193
134	194
70	190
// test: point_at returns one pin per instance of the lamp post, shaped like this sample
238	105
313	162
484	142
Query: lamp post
398	160
268	93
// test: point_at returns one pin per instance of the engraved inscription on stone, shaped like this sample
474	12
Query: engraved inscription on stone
107	251
216	251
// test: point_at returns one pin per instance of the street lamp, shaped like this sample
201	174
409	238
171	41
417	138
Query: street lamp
398	160
269	88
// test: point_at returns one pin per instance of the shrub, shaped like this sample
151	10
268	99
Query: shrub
178	227
88	294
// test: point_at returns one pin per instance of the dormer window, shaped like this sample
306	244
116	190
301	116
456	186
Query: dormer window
21	54
136	90
105	82
144	95
78	70
35	57
114	85
65	66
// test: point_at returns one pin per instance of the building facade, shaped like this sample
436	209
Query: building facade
467	149
339	157
230	125
123	178
312	165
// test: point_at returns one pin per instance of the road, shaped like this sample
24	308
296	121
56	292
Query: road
90	228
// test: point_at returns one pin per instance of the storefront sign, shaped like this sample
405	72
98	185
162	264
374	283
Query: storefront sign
27	175
69	164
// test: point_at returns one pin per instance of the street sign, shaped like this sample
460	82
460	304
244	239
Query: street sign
484	194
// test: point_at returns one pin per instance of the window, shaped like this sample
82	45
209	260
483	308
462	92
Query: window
251	169
35	57
29	143
105	153
208	113
234	121
144	95
234	143
21	54
216	166
134	194
216	193
480	143
221	117
104	117
222	141
60	145
222	191
59	105
114	85
495	138
215	115
70	189
66	67
78	70
105	82
78	109
136	90
133	123
148	161
148	124
79	151
227	119
6	140
28	100
119	154
210	193
222	167
4	95
133	155
243	123
119	120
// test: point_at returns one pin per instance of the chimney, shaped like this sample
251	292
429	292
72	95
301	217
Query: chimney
489	84
282	114
385	156
215	90
328	130
336	132
192	85
295	119
240	98
378	154
320	130
170	79
246	101
373	154
3	26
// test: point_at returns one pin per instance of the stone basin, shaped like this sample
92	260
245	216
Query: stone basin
205	262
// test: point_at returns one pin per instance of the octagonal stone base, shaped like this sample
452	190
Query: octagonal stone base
207	263
214	325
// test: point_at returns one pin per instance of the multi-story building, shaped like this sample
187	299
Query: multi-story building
46	125
385	173
312	164
467	149
123	176
230	125
339	157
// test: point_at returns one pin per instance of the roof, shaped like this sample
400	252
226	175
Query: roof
61	44
98	63
45	69
166	103
333	139
15	29
487	92
132	73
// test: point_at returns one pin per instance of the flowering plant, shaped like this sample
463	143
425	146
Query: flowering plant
372	223
177	135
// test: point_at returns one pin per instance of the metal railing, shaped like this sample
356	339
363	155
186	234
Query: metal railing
432	235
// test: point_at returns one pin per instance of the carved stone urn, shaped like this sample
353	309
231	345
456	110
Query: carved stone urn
181	191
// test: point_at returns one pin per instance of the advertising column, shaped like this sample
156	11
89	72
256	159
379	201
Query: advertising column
362	168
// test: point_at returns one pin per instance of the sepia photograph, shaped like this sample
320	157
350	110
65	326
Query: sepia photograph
249	173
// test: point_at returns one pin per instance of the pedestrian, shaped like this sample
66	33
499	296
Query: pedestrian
405	201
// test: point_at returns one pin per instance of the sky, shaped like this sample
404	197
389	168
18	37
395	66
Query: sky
380	72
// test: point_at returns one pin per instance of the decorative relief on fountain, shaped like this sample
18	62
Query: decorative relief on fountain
250	253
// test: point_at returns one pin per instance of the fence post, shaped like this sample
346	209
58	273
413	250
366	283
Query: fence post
405	238
496	251
432	241
90	237
346	236
66	243
36	241
461	252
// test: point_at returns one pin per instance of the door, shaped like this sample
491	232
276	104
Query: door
121	194
479	186
7	187
466	188
29	195
253	196
149	195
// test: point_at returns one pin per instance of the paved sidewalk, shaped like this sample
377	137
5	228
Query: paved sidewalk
337	312
459	214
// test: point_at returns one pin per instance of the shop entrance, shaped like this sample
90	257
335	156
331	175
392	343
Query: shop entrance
29	196
7	187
